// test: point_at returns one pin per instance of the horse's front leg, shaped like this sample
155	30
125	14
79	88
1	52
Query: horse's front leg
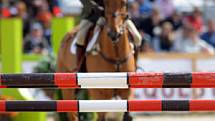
124	95
101	94
127	117
101	116
69	94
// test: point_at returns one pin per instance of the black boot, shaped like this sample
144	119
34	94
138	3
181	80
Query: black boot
80	58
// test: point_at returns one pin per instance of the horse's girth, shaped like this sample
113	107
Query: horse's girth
117	62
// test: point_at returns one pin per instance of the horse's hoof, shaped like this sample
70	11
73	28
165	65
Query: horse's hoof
114	117
127	117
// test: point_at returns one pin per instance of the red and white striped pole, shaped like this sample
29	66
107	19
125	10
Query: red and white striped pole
107	106
109	80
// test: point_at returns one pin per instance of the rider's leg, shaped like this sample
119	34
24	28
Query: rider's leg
85	25
99	24
80	51
134	32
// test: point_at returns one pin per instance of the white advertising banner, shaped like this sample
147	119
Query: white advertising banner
175	65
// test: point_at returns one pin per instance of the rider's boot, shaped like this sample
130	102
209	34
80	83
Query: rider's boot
85	26
80	56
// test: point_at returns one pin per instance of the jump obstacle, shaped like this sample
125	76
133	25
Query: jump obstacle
108	80
107	106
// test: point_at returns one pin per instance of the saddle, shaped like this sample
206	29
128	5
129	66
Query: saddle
91	41
91	38
81	67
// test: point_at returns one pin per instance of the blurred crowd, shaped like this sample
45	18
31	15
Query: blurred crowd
166	29
163	27
36	16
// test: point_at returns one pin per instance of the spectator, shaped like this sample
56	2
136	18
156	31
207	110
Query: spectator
175	19
54	7
35	42
166	7
147	19
164	42
146	44
190	42
149	24
145	7
35	6
130	1
22	13
134	10
4	9
1	8
209	36
21	9
44	16
195	19
12	8
135	13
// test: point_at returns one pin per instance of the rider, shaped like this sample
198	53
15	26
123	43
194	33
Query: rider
93	10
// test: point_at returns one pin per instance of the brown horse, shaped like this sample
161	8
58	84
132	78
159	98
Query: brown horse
115	54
